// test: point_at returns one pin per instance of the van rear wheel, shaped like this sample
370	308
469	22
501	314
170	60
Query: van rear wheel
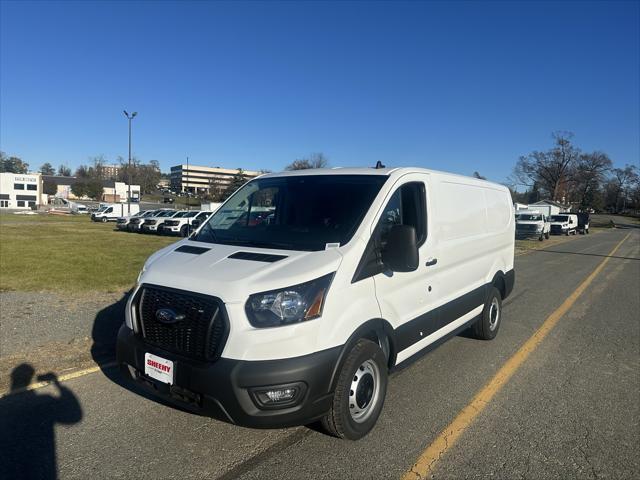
360	391
487	326
104	220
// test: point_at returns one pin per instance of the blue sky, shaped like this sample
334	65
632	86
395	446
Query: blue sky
454	86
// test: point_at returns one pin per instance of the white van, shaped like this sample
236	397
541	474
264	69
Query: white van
531	223
564	223
110	212
299	315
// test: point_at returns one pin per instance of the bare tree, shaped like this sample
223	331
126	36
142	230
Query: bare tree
553	170
315	160
622	182
590	174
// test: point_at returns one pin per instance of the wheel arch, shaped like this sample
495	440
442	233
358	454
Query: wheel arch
377	330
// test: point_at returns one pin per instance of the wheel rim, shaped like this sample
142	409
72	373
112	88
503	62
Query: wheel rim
494	314
364	391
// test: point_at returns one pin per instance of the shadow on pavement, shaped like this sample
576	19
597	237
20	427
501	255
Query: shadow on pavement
27	425
105	331
588	254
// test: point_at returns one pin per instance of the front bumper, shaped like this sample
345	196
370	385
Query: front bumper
134	227
150	228
122	226
557	230
528	233
221	389
169	230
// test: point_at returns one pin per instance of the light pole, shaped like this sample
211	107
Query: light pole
130	117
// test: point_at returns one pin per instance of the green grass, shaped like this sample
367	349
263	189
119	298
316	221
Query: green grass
70	254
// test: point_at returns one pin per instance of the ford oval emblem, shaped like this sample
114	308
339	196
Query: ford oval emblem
168	316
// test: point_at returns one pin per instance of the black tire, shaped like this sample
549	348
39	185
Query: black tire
339	421
184	231
586	231
568	232
541	237
546	235
487	326
104	220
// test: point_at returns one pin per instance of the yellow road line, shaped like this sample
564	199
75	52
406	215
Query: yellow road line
61	378
448	437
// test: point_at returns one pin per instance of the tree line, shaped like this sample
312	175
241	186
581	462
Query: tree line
566	174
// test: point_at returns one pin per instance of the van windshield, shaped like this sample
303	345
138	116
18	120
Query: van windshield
558	218
529	218
293	213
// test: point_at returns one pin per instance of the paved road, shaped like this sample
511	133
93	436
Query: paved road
571	411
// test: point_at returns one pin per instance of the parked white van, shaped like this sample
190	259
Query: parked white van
300	316
565	223
531	223
110	212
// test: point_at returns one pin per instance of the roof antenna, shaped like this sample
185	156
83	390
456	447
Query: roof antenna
379	165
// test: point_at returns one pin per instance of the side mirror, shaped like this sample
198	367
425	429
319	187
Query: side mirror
400	254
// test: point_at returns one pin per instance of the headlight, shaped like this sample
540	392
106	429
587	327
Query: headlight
288	305
144	269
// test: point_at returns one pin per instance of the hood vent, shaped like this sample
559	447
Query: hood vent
191	249
257	257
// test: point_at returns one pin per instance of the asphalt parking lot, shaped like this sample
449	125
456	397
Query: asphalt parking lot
571	409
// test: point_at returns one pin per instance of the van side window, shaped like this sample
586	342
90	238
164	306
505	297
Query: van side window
407	206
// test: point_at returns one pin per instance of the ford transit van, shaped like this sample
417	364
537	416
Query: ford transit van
297	297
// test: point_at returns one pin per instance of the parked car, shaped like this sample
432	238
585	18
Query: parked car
110	212
135	224
182	224
583	222
301	318
532	224
565	223
123	222
80	209
152	223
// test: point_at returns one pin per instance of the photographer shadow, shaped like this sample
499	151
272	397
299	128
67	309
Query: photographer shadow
27	425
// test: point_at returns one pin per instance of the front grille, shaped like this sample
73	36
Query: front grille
556	228
202	332
527	227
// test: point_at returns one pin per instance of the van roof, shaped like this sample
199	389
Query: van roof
372	171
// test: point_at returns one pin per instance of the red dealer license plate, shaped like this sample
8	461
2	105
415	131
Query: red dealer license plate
158	368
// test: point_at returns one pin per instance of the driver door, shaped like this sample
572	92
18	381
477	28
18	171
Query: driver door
406	299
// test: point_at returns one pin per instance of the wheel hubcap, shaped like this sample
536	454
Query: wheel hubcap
494	314
364	391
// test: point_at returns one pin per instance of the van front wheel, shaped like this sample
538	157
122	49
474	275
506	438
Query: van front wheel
360	391
487	326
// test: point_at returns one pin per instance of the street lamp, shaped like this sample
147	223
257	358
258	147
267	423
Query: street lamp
130	117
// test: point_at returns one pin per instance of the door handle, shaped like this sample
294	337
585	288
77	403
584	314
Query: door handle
431	261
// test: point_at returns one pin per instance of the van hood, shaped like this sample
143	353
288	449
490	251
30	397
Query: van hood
206	268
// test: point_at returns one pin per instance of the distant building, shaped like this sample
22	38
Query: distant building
110	171
20	190
199	179
114	192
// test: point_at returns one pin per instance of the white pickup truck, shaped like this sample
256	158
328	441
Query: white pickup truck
182	223
532	224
